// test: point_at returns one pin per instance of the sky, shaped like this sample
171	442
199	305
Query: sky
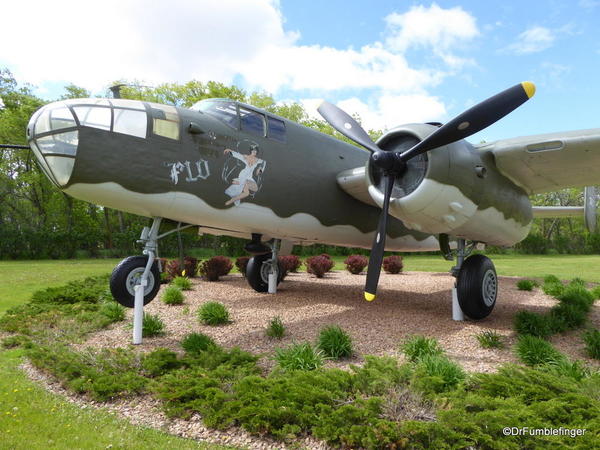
390	62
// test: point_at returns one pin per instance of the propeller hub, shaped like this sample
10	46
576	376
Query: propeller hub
390	162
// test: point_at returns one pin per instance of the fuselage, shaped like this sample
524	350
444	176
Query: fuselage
232	170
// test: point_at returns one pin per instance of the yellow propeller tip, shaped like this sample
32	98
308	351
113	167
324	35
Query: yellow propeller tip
529	88
369	297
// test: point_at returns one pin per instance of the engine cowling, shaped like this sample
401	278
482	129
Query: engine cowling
454	189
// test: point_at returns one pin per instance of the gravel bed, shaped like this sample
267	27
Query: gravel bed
406	304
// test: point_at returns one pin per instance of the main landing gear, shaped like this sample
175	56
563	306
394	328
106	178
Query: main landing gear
263	271
476	286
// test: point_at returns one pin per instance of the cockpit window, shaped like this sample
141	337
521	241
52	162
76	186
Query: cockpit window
252	121
165	121
224	111
128	121
54	119
276	129
93	116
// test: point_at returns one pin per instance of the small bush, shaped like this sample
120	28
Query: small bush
301	356
197	342
160	361
566	368
529	323
318	265
596	292
577	296
416	347
355	264
113	311
172	295
566	316
393	264
276	329
535	351
213	313
577	282
554	289
152	326
490	339
592	343
335	342
436	373
291	263
182	283
241	263
16	341
190	266
173	269
89	290
215	267
551	279
526	285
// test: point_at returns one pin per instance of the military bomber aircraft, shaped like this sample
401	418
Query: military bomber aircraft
232	169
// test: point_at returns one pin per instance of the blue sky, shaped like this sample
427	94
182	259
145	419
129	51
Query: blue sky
391	62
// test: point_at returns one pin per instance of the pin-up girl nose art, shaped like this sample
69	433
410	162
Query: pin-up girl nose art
249	169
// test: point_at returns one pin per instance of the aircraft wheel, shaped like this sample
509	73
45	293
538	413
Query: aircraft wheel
127	274
477	286
257	272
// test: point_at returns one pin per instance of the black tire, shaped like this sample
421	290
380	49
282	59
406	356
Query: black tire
255	273
477	287
125	276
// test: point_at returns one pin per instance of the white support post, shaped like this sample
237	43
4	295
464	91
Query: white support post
457	313
274	272
149	237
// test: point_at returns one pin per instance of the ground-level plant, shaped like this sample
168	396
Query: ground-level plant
213	313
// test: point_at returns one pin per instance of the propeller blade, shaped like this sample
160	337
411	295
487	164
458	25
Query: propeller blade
346	125
12	146
475	119
378	248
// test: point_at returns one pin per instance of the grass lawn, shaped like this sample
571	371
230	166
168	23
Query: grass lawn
31	418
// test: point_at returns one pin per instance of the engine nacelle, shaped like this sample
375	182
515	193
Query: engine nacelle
454	189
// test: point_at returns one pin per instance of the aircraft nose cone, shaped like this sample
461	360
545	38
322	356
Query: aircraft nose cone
53	138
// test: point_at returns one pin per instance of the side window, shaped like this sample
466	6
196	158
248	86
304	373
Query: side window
226	112
252	122
165	121
128	121
276	129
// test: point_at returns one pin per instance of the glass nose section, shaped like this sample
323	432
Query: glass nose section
53	137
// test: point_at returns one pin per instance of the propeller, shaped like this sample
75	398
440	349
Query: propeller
393	164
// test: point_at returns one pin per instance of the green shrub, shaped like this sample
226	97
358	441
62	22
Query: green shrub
596	292
88	290
436	373
182	283
416	347
152	326
565	368
104	374
535	351
577	296
554	289
335	342
197	342
526	285
529	323
302	356
592	343
172	295
577	282
113	311
548	279
380	374
160	361
213	313
490	339
17	341
275	329
566	316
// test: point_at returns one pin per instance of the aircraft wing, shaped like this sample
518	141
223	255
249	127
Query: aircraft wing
549	162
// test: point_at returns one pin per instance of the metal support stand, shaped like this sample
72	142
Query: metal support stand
149	238
457	313
274	270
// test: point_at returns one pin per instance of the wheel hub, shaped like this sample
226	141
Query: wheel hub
134	278
265	270
489	287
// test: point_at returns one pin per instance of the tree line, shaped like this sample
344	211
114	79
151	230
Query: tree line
38	221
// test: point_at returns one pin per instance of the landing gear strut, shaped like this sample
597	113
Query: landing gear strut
136	280
263	272
476	286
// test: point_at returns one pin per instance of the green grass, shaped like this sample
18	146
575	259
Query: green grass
20	279
32	418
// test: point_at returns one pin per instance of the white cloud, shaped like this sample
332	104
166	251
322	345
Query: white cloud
234	40
440	30
532	40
